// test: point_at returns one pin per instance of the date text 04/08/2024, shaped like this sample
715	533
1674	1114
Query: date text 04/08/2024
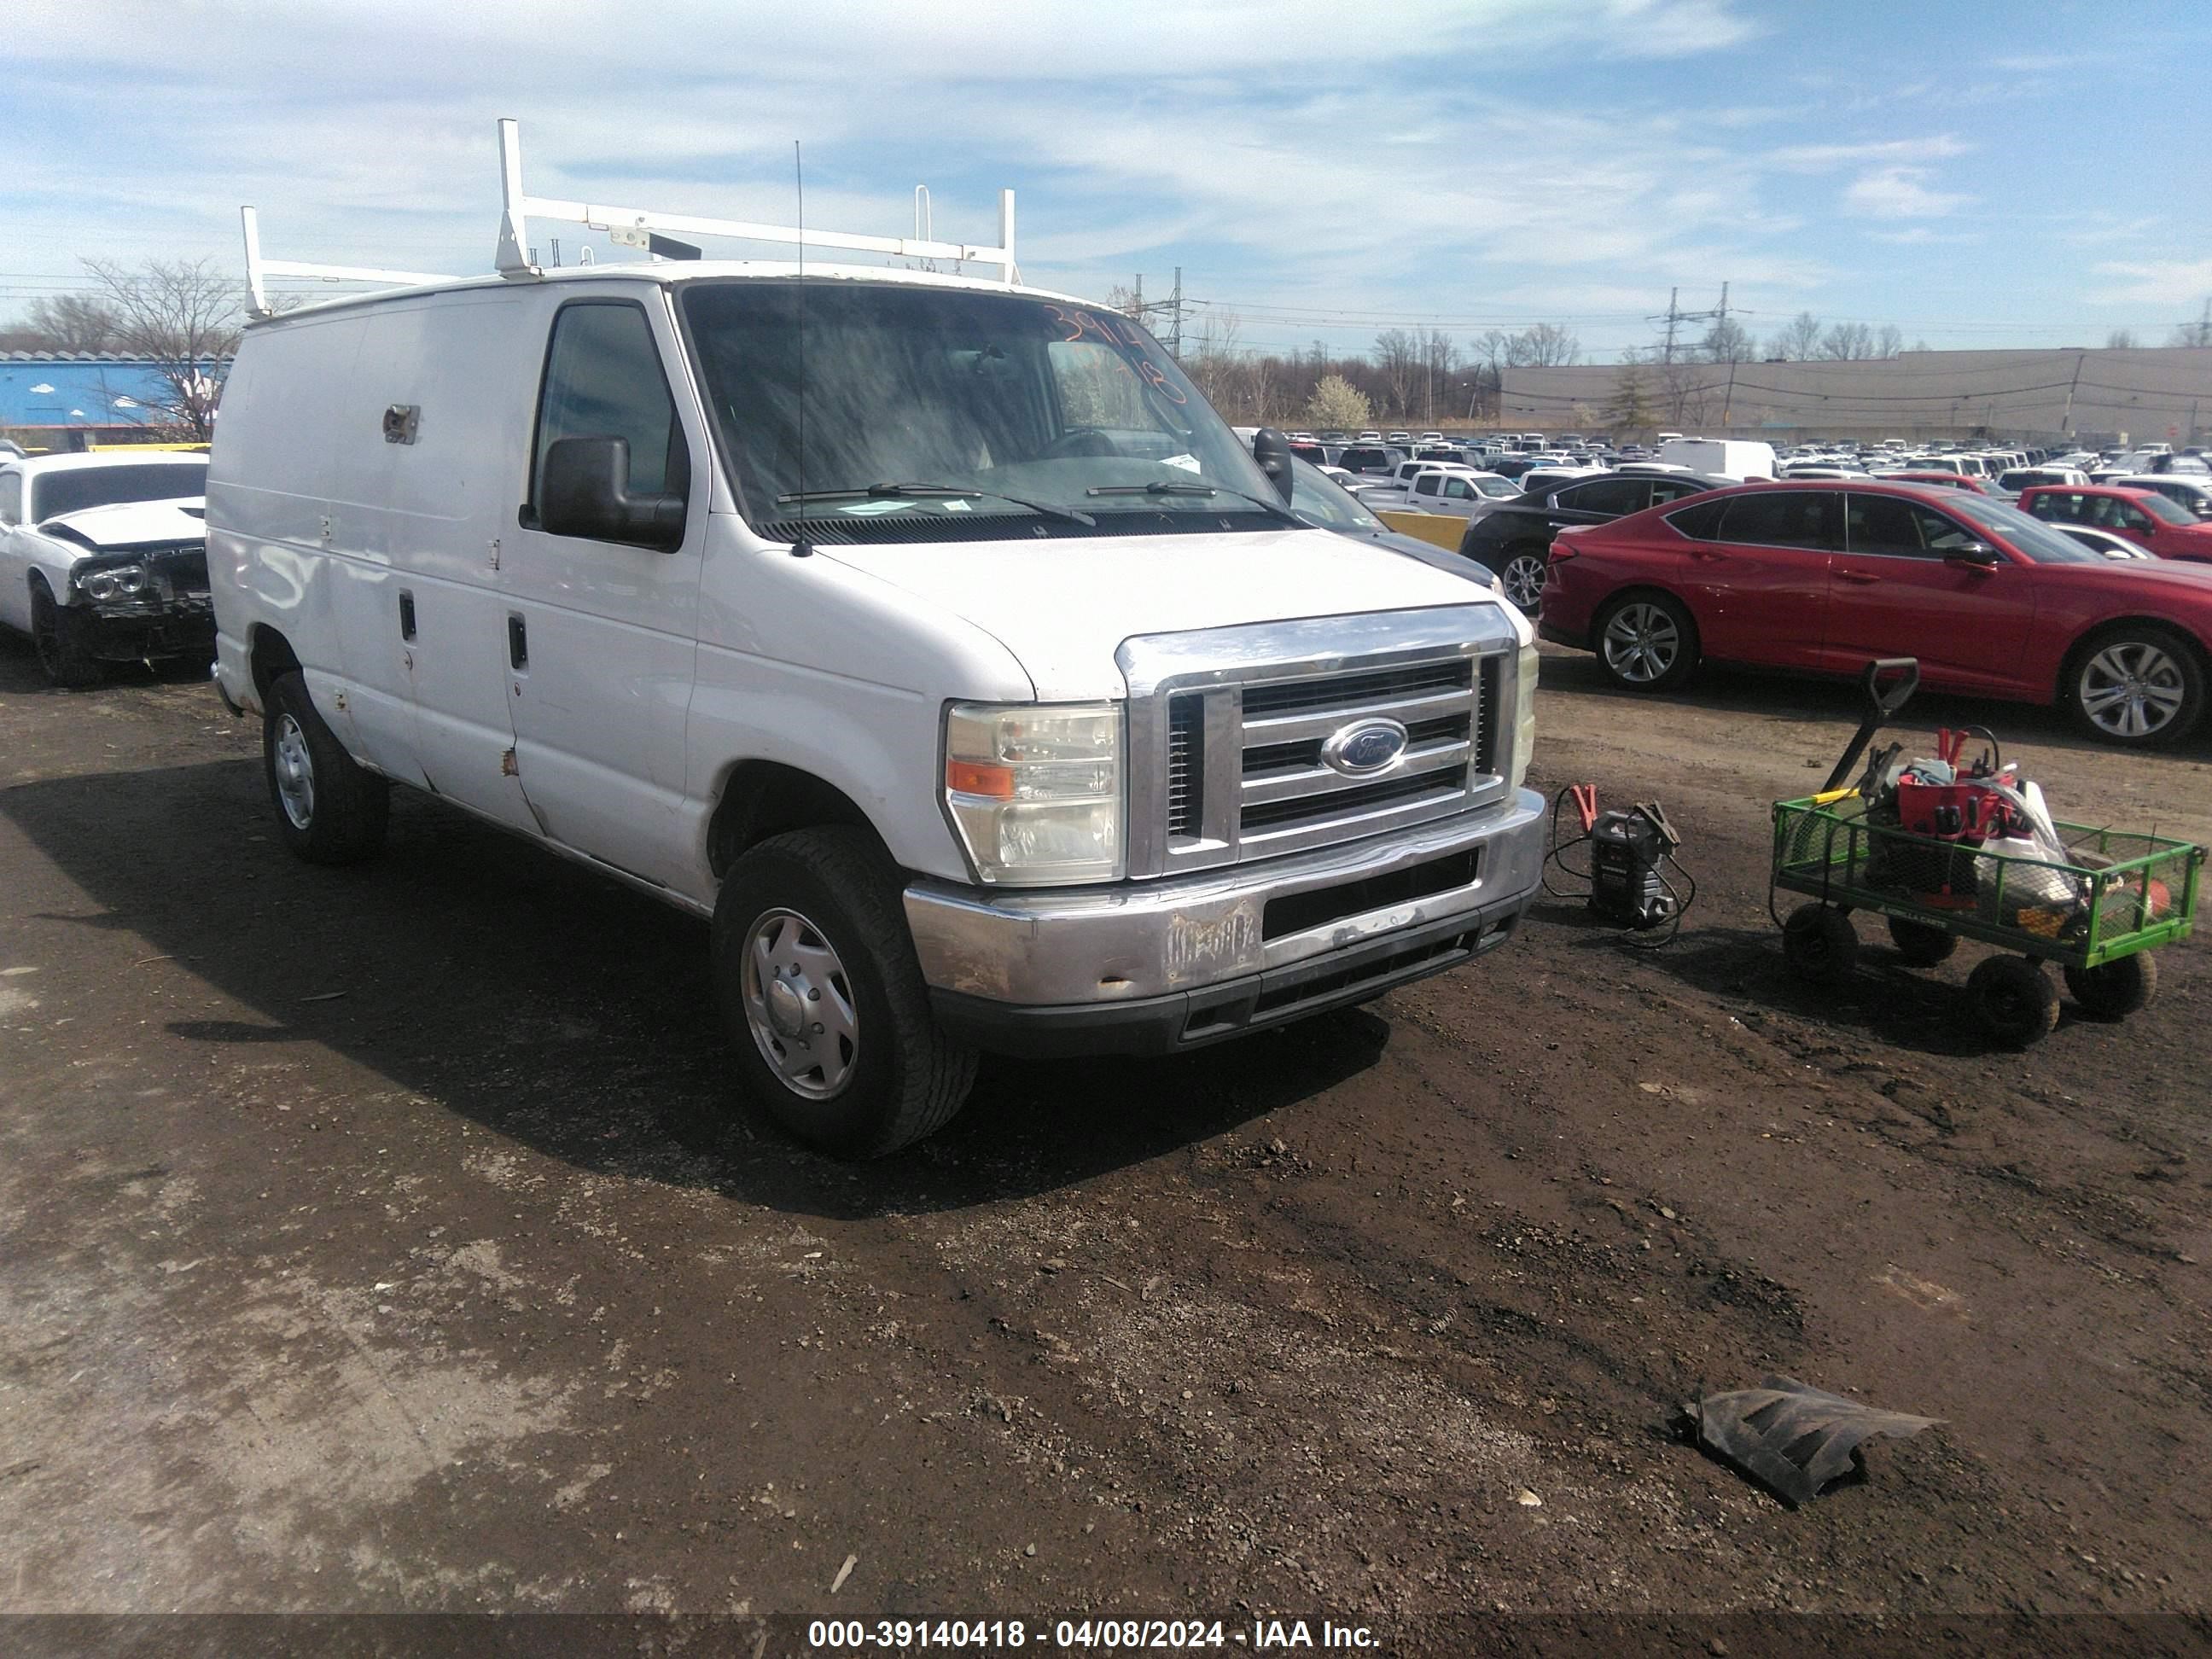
1267	1635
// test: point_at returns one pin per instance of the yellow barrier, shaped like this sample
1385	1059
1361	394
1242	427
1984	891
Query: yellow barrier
1440	529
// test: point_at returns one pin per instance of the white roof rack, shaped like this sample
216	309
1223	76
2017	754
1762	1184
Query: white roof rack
631	226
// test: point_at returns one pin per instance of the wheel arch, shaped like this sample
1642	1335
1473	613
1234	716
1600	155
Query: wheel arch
270	654
759	799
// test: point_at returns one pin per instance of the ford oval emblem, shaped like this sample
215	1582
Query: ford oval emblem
1362	750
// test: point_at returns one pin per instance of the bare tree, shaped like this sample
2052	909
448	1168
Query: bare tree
1727	341
1398	354
1800	337
1844	342
1544	346
2121	339
1889	342
182	317
72	322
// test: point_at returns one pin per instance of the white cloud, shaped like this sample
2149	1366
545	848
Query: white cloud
1813	158
1899	193
2158	282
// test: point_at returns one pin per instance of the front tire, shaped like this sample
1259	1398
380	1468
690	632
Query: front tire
1819	944
329	809
58	635
822	996
2137	685
1920	943
1647	642
2012	1001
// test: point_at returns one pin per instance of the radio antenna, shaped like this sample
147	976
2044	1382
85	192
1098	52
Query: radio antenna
803	547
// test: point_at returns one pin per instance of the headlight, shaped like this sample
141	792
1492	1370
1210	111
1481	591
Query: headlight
1034	790
117	584
1524	716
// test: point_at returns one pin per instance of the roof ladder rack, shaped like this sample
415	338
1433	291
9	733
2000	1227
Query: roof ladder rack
258	267
634	225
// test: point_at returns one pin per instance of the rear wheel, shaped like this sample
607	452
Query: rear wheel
1647	642
57	634
2116	989
2137	684
330	810
1819	944
2012	1001
1920	944
1525	571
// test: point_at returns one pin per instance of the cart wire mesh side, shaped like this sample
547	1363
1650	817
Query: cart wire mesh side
2118	892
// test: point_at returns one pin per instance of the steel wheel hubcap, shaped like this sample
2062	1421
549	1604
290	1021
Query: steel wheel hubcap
2132	689
1524	580
799	1005
295	774
1641	643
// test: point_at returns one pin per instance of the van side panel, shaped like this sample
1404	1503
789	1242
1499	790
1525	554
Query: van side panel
269	481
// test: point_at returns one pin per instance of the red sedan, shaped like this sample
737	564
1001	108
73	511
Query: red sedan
2143	516
1820	576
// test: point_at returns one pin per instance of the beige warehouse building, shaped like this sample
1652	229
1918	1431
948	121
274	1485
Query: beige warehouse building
2161	395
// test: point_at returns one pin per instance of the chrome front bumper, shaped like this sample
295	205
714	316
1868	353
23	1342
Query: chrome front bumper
1137	964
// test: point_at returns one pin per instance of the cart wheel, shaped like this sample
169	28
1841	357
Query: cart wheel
2117	989
1819	944
2012	1001
1920	943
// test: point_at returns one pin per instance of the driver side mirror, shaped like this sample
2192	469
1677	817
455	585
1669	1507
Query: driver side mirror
1979	555
586	492
1272	451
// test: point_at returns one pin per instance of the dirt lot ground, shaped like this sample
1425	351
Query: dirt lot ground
381	1240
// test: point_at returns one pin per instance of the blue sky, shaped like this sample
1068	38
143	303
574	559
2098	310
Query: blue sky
2023	174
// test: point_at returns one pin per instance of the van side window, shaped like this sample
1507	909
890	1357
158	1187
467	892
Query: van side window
603	379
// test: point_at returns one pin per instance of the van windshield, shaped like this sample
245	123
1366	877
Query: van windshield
936	414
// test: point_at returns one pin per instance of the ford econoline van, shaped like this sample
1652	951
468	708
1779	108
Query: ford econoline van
928	635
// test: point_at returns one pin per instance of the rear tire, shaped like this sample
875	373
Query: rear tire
2013	1001
1819	944
1526	569
1646	642
823	997
57	633
1920	944
2136	685
329	809
2118	989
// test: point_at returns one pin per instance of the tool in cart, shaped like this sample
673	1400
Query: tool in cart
1943	853
1632	850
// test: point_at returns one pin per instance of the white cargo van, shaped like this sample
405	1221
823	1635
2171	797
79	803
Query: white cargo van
1726	457
928	633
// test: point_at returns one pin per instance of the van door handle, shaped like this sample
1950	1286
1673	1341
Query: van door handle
518	644
406	614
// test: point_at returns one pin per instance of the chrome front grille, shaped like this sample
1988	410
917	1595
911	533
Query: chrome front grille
1230	756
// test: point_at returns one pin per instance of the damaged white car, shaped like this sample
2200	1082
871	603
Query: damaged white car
103	558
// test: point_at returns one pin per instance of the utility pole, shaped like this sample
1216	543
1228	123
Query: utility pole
1175	340
1675	316
2066	420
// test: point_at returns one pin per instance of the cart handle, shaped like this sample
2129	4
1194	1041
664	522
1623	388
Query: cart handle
1882	706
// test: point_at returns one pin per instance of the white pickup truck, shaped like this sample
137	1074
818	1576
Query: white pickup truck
930	635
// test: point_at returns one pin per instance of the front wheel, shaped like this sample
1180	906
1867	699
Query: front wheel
1525	573
57	633
823	999
1647	642
1920	943
2137	685
329	809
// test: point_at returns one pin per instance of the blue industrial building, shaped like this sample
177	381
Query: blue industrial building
66	400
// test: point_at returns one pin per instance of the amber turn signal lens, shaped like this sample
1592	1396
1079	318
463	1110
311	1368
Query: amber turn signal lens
975	778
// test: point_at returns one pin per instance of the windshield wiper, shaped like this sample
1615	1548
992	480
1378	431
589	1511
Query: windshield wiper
933	492
1162	487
